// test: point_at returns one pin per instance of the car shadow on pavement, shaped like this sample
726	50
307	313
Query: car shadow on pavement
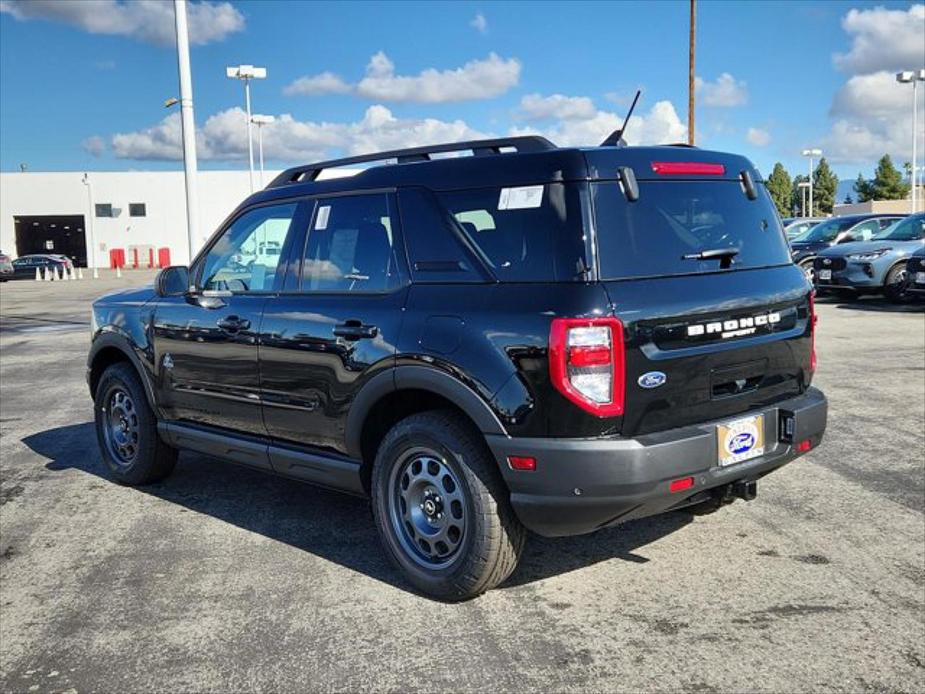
874	304
334	526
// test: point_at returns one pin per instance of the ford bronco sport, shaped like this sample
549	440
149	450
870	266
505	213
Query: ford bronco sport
527	338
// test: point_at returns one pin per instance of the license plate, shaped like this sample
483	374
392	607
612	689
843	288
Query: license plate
825	274
920	278
740	440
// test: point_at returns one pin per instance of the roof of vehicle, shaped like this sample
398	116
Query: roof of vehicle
534	160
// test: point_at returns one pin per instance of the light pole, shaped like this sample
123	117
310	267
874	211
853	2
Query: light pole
803	185
811	153
246	73
260	121
188	126
92	259
915	77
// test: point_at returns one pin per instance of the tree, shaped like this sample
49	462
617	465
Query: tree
825	183
796	195
779	187
863	188
848	199
888	182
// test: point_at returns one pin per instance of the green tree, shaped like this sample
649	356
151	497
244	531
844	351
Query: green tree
825	183
888	182
780	189
848	199
796	195
863	188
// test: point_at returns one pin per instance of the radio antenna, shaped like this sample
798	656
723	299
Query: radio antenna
616	137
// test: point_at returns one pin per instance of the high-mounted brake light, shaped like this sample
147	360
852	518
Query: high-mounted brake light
690	168
813	319
586	363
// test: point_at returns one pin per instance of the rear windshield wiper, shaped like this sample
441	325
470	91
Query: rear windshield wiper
725	256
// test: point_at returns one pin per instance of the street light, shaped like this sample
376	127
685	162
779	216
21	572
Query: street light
246	73
260	121
86	181
811	153
915	77
803	185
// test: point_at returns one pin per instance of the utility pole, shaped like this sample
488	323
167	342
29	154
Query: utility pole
690	75
189	129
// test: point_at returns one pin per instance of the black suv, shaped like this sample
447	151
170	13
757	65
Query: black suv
529	337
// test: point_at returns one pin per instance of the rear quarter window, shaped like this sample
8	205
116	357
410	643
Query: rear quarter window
673	220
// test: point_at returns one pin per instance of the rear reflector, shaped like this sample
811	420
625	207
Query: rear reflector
690	168
521	462
681	484
804	446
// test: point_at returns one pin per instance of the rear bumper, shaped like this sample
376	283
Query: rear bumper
581	485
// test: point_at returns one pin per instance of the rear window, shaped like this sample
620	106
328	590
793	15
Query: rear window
524	233
672	221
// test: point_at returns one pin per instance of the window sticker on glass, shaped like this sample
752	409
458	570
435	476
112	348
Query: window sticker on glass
523	198
321	221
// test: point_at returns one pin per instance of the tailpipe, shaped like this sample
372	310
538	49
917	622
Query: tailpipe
745	490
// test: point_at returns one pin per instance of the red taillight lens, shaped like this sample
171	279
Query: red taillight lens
690	168
586	363
813	319
680	485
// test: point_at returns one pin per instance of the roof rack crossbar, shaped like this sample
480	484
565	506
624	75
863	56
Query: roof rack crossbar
522	144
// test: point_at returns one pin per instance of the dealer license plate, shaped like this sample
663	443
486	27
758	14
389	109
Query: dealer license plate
742	439
920	278
825	274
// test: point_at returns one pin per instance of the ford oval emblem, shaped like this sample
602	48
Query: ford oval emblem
653	379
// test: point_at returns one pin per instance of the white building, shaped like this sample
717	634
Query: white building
137	212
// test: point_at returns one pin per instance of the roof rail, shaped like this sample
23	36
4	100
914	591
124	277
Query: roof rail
523	144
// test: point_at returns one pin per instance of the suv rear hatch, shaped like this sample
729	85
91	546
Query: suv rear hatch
717	320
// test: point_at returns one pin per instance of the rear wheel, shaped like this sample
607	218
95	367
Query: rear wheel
127	429
441	507
894	286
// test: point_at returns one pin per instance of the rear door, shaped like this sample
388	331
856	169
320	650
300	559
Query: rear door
716	316
324	337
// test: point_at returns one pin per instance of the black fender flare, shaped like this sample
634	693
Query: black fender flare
116	340
417	378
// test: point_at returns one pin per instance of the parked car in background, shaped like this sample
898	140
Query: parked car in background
875	266
793	227
855	227
6	267
25	265
915	274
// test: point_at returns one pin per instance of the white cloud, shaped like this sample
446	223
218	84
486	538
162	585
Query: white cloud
758	137
535	107
477	79
315	85
94	146
223	137
147	20
873	117
725	92
659	126
479	23
883	39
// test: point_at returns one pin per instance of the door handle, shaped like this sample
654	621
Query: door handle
233	324
355	330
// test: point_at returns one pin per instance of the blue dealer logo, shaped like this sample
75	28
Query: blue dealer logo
653	379
742	443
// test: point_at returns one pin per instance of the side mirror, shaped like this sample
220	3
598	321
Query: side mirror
172	281
847	238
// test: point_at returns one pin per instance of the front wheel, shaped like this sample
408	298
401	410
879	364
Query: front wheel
809	270
441	508
895	284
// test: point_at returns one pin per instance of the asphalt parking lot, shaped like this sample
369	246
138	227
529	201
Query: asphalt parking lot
224	579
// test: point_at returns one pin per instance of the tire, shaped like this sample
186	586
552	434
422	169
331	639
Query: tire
126	429
809	271
410	489
894	285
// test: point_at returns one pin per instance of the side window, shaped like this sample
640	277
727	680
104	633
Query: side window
435	250
863	231
351	246
246	256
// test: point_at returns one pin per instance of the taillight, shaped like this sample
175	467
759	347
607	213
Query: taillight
586	363
813	319
689	168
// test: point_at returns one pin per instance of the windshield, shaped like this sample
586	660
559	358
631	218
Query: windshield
684	227
828	230
908	229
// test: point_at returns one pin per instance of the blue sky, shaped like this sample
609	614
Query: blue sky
82	83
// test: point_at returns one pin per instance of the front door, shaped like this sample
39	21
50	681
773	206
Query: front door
205	343
337	327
